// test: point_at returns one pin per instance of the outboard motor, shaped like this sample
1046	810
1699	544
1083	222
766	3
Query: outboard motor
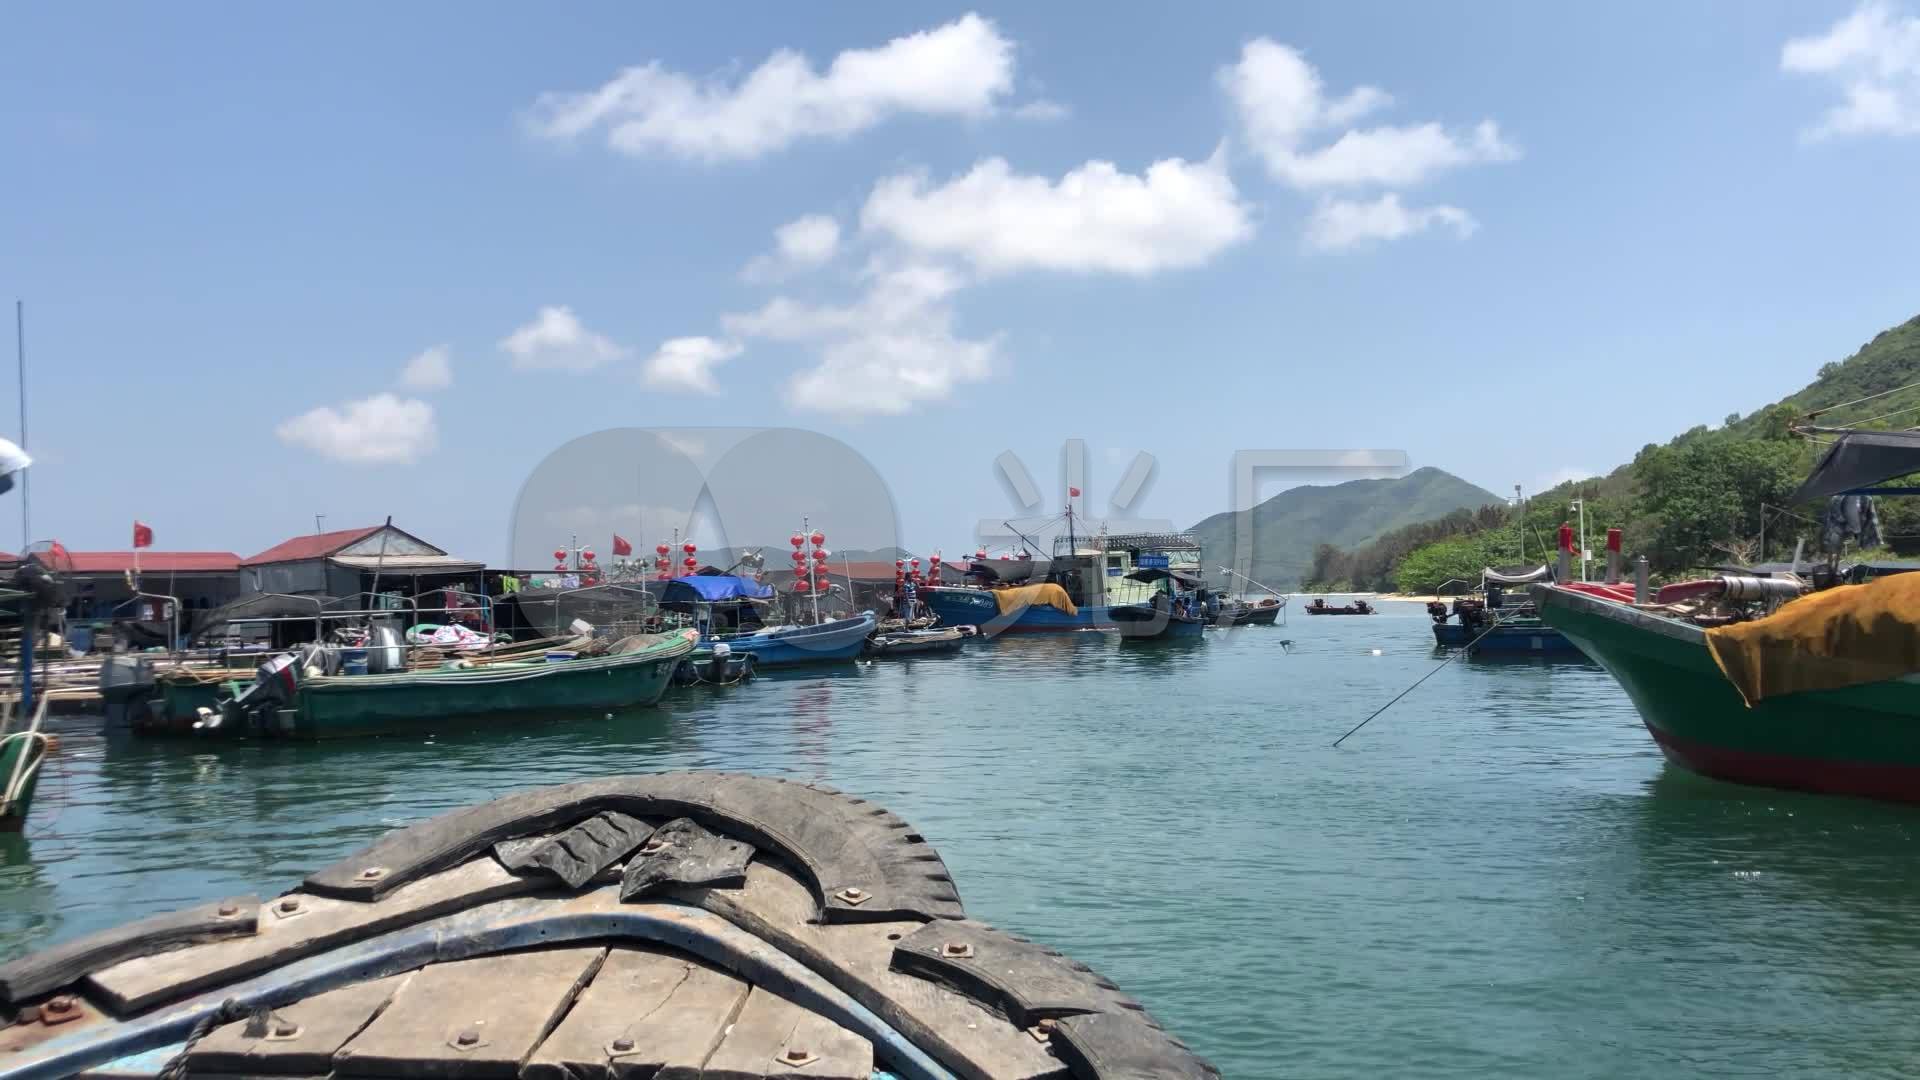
275	684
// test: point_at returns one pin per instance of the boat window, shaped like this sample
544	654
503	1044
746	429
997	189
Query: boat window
1116	562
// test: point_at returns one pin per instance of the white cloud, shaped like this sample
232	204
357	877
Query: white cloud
889	352
1283	110
557	341
1563	475
1095	218
1347	225
1041	110
804	242
1874	56
432	369
959	69
687	363
381	430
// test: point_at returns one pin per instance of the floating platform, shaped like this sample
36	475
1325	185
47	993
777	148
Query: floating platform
675	925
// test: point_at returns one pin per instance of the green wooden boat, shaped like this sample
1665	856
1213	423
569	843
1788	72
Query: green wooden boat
21	754
341	706
1861	740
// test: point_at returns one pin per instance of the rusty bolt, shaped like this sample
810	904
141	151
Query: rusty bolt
373	873
623	1045
796	1057
228	911
468	1037
61	1004
290	905
956	951
286	1029
852	894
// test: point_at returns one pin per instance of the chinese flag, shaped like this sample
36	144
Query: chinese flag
1073	493
142	535
620	545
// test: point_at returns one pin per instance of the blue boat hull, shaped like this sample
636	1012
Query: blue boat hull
840	640
1528	640
977	607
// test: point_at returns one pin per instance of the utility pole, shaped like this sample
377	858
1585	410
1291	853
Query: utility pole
1581	505
20	353
1520	524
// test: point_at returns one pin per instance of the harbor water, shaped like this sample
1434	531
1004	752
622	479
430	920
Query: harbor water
1499	877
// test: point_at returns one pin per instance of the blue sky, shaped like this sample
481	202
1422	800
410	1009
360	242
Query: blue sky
1515	241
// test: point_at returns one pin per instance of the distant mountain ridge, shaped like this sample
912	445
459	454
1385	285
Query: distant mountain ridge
1287	528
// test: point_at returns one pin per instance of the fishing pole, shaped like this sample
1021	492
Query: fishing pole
1464	651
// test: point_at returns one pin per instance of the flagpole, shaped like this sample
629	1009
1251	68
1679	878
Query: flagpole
20	353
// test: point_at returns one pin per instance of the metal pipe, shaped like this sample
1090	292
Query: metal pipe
1640	579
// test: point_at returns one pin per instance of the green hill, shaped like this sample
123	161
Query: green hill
1705	497
1286	529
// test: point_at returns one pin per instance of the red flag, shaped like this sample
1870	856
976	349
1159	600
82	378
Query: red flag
620	545
1073	492
142	535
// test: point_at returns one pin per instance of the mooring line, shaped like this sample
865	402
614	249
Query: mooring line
1464	650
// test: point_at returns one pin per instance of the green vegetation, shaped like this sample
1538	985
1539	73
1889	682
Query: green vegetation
1289	528
1697	501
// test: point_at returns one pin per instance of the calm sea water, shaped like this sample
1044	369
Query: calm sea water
1498	877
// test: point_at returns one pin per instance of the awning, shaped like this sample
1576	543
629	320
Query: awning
704	589
1859	459
1515	577
1154	573
409	564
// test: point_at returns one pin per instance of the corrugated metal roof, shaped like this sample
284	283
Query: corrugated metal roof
415	563
154	562
316	546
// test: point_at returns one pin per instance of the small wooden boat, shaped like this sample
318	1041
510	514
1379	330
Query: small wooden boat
1166	615
22	751
787	646
1263	612
674	925
714	665
943	639
286	700
1321	607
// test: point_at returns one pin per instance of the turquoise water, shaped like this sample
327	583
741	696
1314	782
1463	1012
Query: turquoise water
1499	877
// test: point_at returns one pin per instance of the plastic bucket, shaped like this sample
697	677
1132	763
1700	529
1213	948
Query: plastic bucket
353	662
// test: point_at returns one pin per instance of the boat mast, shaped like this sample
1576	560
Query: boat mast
20	353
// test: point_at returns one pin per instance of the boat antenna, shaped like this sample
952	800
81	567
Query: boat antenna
1436	668
381	561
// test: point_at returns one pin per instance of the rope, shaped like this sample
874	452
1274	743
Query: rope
229	1012
1856	401
1464	651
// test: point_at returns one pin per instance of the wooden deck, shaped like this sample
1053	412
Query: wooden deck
671	925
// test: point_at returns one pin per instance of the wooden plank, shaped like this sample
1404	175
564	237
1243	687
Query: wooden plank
773	1037
967	1036
683	853
645	1014
50	969
478	1017
297	1039
317	923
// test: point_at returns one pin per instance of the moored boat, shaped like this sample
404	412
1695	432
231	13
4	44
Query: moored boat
732	611
1173	611
1493	623
1319	606
943	639
289	698
1859	740
673	924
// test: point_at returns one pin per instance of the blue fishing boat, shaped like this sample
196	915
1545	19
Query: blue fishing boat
1493	624
732	611
1087	577
1174	611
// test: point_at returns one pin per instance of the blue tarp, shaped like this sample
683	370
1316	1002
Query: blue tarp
713	588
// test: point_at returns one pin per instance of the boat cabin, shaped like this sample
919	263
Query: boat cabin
1097	571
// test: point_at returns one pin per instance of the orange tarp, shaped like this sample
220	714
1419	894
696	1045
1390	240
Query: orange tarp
1845	636
1026	596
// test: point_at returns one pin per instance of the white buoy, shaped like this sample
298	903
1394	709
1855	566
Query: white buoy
1376	652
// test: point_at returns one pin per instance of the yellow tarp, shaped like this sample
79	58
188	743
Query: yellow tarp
1025	596
1845	636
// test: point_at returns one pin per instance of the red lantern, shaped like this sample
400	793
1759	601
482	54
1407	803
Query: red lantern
796	539
802	585
899	564
662	549
980	554
799	556
688	547
936	559
819	554
915	563
664	576
818	539
690	562
587	555
559	555
561	567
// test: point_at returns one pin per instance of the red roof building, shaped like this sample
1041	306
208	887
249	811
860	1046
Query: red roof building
153	562
347	562
316	546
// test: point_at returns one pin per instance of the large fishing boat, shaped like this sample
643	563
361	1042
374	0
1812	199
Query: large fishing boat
1087	576
1821	695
